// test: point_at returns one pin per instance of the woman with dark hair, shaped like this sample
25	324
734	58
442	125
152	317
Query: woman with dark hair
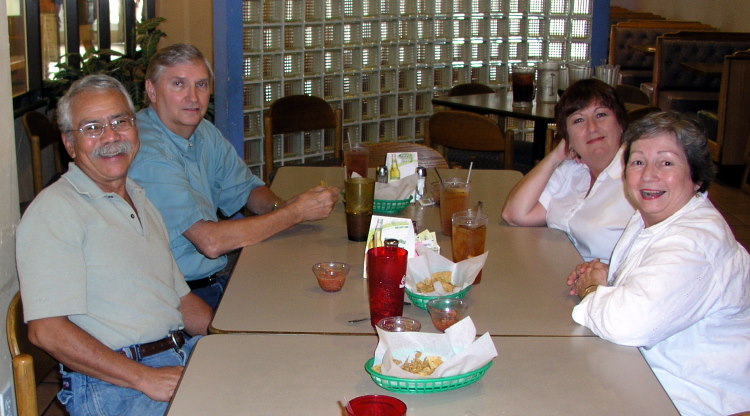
577	187
678	285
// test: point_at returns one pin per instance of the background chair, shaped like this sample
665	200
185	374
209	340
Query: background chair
469	137
468	89
631	94
426	156
299	113
29	362
41	134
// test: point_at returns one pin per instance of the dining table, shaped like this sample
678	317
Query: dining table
265	374
522	292
279	345
501	104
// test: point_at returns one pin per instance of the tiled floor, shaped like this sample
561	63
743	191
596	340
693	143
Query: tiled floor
731	202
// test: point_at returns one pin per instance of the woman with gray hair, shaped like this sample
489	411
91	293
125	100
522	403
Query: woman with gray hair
678	285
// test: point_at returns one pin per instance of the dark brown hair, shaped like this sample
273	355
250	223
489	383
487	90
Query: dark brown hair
582	94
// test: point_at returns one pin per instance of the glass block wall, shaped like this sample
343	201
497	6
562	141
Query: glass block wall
382	61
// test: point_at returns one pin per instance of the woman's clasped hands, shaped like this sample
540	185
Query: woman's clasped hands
585	277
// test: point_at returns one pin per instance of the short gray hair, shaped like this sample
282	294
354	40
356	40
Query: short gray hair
95	82
689	134
176	54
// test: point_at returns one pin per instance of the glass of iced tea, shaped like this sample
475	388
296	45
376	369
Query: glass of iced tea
522	82
356	159
469	236
454	197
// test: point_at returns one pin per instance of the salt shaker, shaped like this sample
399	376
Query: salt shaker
421	176
381	174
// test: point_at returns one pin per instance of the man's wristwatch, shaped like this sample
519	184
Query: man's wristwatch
276	205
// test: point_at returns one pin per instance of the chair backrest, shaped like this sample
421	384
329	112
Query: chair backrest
631	94
41	133
29	362
734	100
468	89
299	113
426	156
463	130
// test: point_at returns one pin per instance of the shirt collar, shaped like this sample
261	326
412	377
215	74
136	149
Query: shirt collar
696	200
85	186
615	168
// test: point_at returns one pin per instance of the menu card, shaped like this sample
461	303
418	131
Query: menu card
402	165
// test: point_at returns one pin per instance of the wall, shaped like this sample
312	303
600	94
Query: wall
188	21
726	15
9	211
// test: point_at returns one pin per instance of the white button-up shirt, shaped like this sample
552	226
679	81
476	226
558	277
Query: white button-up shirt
593	220
680	290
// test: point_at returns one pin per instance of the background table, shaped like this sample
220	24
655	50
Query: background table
501	103
273	290
257	374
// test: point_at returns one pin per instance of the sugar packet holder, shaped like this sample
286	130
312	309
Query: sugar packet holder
459	348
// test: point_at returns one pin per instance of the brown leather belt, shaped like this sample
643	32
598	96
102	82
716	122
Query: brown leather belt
174	340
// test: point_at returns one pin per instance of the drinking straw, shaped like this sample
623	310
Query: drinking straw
438	175
468	177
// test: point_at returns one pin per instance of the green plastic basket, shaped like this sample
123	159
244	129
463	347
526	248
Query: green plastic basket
382	206
424	385
421	300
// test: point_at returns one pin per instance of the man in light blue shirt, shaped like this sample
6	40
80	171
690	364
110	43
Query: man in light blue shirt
190	171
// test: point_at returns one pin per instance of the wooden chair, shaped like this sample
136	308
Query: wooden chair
299	113
29	362
471	137
41	134
734	100
631	94
426	156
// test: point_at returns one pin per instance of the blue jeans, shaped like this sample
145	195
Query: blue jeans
212	293
87	396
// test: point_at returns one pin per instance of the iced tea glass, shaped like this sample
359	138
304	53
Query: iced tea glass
360	193
522	83
356	159
469	236
386	279
454	197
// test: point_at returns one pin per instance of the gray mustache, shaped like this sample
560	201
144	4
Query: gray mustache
112	149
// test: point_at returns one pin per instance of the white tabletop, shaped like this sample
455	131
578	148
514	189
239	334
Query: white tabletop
522	292
256	374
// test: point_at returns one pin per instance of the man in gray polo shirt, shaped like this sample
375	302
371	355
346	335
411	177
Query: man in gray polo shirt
101	291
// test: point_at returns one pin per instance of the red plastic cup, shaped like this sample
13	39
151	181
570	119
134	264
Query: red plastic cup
376	405
386	278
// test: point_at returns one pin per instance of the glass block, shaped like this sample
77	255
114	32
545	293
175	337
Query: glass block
370	82
370	31
579	52
351	84
352	111
370	133
405	104
332	86
388	81
332	60
534	27
333	36
442	53
389	55
251	39
313	86
442	77
407	55
582	7
252	97
314	11
425	30
405	129
334	9
370	57
353	132
251	124
352	9
478	74
293	87
423	102
557	28
251	11
352	59
407	79
475	51
370	8
389	8
272	11
292	65
443	29
313	62
423	78
252	68
387	131
497	50
535	49
253	153
271	92
293	37
580	29
272	39
370	108
294	10
387	105
556	50
272	66
313	36
407	30
497	27
497	73
352	34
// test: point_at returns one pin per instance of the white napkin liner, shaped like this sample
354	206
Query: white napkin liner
428	262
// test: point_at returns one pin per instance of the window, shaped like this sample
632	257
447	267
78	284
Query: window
382	61
44	31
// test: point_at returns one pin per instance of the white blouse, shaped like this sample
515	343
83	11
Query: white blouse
680	290
593	222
